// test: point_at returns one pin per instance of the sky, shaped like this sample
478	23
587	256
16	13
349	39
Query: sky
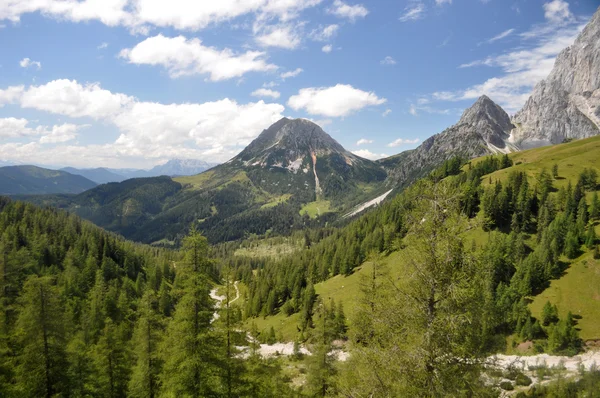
134	83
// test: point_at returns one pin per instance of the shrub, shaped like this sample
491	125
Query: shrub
522	380
507	386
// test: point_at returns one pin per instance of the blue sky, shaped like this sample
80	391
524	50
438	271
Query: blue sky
133	83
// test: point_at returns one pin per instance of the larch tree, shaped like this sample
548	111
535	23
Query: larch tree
42	367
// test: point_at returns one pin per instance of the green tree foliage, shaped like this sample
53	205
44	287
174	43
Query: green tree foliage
420	343
549	314
41	365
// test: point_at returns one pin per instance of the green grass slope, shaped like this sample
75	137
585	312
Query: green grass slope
578	290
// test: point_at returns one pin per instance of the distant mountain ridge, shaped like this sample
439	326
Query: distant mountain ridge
173	168
32	180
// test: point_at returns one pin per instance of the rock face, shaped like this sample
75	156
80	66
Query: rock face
180	167
296	156
567	103
483	129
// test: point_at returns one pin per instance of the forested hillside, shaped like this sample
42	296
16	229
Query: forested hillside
521	222
86	313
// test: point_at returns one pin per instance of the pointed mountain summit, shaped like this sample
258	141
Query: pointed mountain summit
567	103
483	129
295	156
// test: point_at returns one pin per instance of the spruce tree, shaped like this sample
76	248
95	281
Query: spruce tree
590	241
144	344
41	366
595	208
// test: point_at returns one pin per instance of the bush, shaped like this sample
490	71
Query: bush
507	386
522	380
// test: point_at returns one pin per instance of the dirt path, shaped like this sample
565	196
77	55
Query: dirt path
220	299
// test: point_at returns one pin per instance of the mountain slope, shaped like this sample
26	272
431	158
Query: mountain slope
31	180
483	129
291	165
567	103
99	175
298	152
180	167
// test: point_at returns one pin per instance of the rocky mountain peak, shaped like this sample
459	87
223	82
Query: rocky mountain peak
567	103
489	120
290	139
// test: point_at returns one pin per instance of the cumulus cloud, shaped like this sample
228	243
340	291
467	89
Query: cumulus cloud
140	15
351	12
386	112
265	92
365	153
62	133
388	61
402	141
150	130
282	36
292	73
26	63
327	48
414	11
524	66
324	33
337	101
363	141
18	128
183	57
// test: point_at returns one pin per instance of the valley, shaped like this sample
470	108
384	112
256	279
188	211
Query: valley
237	249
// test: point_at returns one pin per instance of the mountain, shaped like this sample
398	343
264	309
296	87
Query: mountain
483	129
32	180
291	169
567	103
180	167
295	156
99	175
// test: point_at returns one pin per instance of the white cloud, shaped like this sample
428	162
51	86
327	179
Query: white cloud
365	153
363	141
18	128
415	110
327	48
149	130
388	61
270	84
402	141
324	33
140	15
183	57
292	73
386	112
337	101
501	36
282	36
10	95
524	66
265	92
102	46
351	12
69	98
415	10
26	63
442	2
62	133
557	11
14	128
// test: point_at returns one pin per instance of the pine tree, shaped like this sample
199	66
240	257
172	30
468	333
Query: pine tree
42	367
320	367
549	314
111	362
595	207
144	344
590	241
189	349
555	171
